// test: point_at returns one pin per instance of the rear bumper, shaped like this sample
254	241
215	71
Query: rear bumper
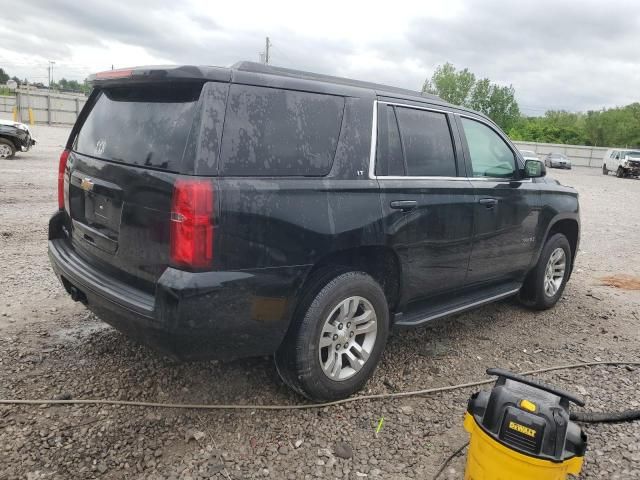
190	315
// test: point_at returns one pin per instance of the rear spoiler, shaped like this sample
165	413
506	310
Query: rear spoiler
159	74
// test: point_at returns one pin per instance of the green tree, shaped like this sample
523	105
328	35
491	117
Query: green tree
450	85
613	127
462	88
72	86
3	76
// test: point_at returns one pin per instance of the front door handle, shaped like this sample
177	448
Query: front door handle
404	205
488	202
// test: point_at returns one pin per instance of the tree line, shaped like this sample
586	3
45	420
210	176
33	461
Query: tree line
612	127
63	84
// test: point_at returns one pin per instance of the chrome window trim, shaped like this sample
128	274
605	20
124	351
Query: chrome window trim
374	142
374	145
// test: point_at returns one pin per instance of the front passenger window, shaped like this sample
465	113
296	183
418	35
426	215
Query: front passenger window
490	155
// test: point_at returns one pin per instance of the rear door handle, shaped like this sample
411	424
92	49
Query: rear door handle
404	205
488	202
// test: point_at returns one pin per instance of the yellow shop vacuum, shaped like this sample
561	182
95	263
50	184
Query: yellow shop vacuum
521	430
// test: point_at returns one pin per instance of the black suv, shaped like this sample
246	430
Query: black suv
252	210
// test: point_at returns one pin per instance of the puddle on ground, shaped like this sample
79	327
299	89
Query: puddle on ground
625	282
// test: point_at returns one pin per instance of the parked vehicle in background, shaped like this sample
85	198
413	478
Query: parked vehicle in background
253	210
557	160
624	162
529	155
14	137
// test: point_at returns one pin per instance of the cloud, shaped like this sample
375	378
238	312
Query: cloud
572	55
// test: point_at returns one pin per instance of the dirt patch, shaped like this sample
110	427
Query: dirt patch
625	282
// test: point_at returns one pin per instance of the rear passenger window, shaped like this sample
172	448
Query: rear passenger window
426	142
389	160
275	132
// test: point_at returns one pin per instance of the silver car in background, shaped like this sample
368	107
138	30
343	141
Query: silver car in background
557	160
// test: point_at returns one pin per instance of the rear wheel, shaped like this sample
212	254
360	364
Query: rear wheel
7	149
544	285
604	169
336	344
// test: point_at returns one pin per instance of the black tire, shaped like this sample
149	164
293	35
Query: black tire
4	141
532	294
620	172
298	358
604	169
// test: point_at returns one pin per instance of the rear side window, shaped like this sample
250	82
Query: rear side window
389	159
426	142
145	125
275	132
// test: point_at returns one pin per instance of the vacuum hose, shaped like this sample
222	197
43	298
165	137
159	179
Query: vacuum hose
606	417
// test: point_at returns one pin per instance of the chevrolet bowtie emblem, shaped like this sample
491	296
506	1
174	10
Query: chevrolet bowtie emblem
86	184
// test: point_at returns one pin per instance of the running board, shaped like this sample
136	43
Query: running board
457	305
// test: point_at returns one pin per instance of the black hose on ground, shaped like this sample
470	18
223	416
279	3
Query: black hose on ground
605	417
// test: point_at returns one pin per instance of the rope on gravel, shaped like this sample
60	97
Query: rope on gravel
378	396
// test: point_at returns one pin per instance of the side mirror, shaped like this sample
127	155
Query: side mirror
534	169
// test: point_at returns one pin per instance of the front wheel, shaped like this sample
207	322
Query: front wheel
620	172
544	285
7	150
338	338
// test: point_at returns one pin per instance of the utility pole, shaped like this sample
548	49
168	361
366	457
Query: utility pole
267	44
51	64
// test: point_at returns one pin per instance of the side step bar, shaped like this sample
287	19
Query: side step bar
434	310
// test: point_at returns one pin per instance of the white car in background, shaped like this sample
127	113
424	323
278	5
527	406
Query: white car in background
529	155
624	162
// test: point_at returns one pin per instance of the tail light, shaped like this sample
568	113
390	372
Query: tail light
191	242
62	166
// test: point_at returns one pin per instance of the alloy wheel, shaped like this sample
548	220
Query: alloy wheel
348	337
5	150
554	272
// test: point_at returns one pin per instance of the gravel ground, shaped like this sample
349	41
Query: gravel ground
51	347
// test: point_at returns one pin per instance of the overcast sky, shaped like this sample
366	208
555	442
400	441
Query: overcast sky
573	55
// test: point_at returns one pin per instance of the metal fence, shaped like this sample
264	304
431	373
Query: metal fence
580	155
43	106
7	103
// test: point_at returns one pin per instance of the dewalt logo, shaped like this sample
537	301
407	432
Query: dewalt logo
529	432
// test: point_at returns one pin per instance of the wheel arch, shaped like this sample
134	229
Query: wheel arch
380	262
11	140
569	226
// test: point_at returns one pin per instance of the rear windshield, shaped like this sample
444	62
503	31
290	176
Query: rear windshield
144	125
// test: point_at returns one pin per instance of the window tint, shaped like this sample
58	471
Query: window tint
490	155
426	141
389	160
274	132
145	125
